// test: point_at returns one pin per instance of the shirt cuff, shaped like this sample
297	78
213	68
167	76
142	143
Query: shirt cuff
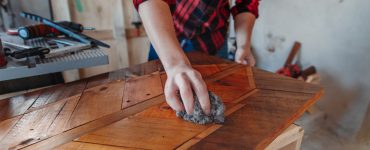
137	3
237	9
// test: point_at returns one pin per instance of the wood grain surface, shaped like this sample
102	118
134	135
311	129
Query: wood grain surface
126	109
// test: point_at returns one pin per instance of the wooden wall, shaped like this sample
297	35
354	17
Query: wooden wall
40	7
112	19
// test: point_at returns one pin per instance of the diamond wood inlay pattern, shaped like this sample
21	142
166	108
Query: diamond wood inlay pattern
126	109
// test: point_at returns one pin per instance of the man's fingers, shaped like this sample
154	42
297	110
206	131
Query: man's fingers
248	60
186	93
172	98
241	61
200	89
251	61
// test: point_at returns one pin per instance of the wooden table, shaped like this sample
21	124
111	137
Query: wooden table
126	109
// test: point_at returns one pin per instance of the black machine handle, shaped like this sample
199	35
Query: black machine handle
36	51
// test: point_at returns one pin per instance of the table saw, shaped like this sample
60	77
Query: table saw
19	68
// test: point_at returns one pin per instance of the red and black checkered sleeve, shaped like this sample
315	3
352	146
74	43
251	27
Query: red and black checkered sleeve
245	6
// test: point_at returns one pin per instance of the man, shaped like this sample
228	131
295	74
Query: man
203	24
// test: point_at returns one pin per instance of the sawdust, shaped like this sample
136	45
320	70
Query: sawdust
199	117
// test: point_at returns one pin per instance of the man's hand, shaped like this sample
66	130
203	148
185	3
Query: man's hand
182	80
245	56
244	23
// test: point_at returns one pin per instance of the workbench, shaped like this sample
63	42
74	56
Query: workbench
126	109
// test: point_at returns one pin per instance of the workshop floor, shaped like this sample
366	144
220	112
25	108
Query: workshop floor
320	134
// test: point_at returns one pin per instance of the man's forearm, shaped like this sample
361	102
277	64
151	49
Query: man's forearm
181	77
158	24
244	23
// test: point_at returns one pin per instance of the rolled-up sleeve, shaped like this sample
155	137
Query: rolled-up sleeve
137	3
245	6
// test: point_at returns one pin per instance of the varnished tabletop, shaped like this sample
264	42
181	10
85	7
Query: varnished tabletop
125	109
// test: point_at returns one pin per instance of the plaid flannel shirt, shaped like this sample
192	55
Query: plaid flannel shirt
205	22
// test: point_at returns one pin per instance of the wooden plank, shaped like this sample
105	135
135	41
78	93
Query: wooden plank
27	103
7	125
17	105
60	93
271	81
89	146
263	74
209	130
145	133
232	86
230	70
200	58
144	69
47	97
163	111
34	123
61	9
154	128
293	53
199	137
142	88
264	116
30	128
97	80
93	102
76	132
61	122
251	79
206	70
292	135
364	132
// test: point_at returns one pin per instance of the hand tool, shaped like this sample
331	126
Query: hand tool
12	32
29	52
35	31
289	69
65	30
3	61
42	30
15	46
75	26
24	51
71	47
293	70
